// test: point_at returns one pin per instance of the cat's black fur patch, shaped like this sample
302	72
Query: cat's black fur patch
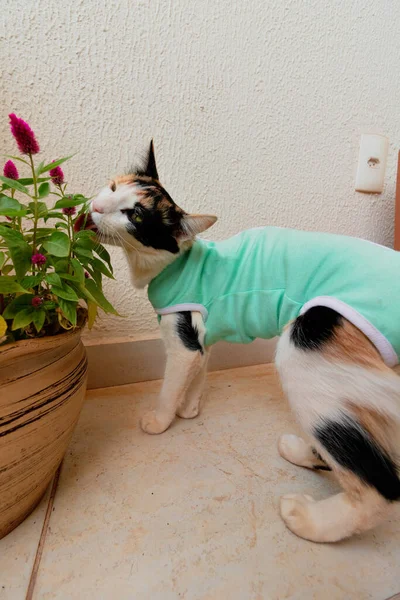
323	467
355	450
316	327
153	230
188	333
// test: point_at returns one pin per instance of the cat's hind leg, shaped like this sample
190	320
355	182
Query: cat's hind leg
299	452
348	403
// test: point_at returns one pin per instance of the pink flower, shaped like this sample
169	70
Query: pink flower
38	259
87	275
10	170
57	175
70	210
24	135
37	301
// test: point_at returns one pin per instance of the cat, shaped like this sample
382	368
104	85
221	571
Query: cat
339	383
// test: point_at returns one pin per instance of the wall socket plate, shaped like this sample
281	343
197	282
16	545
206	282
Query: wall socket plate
372	163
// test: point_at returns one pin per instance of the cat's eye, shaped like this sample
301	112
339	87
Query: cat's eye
133	214
113	186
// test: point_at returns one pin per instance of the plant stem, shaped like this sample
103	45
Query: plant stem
71	239
35	200
18	219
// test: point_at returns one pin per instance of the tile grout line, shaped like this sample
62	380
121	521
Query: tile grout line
42	539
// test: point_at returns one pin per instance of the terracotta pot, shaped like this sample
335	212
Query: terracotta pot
42	389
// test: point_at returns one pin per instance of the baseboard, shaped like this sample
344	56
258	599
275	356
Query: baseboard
123	360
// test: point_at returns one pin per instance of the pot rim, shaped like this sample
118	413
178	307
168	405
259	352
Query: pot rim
46	342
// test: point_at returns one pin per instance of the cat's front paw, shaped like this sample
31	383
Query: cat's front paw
188	412
153	423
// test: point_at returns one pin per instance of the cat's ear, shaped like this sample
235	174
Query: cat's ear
151	169
191	225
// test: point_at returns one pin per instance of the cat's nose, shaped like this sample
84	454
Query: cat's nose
97	208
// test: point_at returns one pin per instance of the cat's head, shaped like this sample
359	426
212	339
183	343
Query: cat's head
136	211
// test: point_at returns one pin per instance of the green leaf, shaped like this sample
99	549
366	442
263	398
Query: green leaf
104	255
69	277
78	270
57	244
23	318
39	318
19	303
10	235
49	305
65	291
83	252
69	310
15	185
3	326
31	281
68	202
53	279
44	190
21	258
42	209
20	251
43	232
54	164
98	265
92	313
10	207
55	215
60	265
29	180
96	275
85	241
85	233
94	293
8	285
12	202
2	259
7	269
78	289
16	158
38	168
84	260
61	225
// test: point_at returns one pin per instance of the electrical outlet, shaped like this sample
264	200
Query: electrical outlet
371	163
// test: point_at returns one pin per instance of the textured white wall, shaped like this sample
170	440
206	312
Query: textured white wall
256	107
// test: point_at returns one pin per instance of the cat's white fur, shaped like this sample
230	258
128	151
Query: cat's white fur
317	388
315	385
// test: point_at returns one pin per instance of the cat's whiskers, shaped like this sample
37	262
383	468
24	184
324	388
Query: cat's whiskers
126	244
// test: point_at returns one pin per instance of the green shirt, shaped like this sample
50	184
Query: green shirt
251	285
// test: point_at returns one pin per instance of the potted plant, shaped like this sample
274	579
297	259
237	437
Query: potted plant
50	286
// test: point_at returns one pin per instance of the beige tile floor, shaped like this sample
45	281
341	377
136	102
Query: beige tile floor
191	514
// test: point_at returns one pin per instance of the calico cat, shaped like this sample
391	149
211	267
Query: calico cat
332	357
